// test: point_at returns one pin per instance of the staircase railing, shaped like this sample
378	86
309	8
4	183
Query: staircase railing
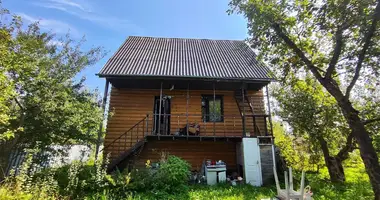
128	139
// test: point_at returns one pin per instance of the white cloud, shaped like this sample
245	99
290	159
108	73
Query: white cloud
53	25
56	43
84	11
70	4
53	6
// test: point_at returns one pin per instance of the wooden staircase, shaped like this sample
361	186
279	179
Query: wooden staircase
246	107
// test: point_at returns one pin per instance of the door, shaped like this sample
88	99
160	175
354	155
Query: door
252	163
162	117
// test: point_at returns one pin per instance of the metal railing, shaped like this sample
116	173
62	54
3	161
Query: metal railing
128	139
230	125
184	125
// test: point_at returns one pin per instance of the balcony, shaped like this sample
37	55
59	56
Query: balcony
189	127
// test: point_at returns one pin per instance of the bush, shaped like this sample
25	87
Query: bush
170	178
173	174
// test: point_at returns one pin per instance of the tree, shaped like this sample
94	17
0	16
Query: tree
297	152
336	41
43	103
315	118
7	91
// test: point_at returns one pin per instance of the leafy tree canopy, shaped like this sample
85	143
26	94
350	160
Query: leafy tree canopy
42	102
335	41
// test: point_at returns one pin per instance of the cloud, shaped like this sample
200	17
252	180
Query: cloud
70	4
55	26
56	43
63	5
53	6
84	11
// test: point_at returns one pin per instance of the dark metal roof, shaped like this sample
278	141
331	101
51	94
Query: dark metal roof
185	58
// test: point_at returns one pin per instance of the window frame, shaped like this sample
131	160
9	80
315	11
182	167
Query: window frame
209	109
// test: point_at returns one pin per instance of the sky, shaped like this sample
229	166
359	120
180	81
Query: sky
109	23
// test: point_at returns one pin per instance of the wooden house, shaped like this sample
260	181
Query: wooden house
193	98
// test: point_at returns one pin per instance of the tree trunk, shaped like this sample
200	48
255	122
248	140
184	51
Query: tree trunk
333	164
335	168
367	151
359	132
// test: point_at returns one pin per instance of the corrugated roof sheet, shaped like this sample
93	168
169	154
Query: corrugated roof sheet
187	58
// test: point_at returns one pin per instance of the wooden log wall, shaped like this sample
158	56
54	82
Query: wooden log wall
193	152
129	106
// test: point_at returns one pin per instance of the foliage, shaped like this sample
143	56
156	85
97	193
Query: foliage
42	102
173	174
170	178
225	191
357	185
335	41
90	181
296	152
7	89
315	121
119	186
311	113
25	185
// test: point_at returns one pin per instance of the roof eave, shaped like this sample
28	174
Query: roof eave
117	76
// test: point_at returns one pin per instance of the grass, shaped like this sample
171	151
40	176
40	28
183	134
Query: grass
230	192
221	191
356	187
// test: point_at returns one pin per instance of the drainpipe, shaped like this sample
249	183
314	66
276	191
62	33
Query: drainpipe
104	102
187	111
159	113
213	87
243	99
270	114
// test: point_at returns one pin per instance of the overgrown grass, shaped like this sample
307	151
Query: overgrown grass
231	192
97	185
357	185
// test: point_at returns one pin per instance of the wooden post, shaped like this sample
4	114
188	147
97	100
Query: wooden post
159	113
187	110
213	107
270	114
104	102
243	98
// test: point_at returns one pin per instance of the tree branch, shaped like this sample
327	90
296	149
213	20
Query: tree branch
343	153
297	50
338	40
337	51
19	104
367	42
371	121
330	84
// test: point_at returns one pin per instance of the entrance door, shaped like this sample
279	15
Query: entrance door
252	163
162	120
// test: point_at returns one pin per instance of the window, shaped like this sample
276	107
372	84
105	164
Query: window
212	111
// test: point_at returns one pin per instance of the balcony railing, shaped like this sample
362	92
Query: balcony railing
188	125
229	125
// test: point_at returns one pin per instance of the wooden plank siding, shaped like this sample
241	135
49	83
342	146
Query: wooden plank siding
129	106
193	152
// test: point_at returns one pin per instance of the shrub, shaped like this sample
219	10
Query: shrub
173	174
170	178
24	184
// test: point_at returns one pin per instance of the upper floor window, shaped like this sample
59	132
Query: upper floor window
212	111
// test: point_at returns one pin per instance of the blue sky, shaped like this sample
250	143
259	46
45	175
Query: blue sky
109	23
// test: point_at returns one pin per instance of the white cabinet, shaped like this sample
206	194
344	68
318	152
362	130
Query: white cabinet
215	175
